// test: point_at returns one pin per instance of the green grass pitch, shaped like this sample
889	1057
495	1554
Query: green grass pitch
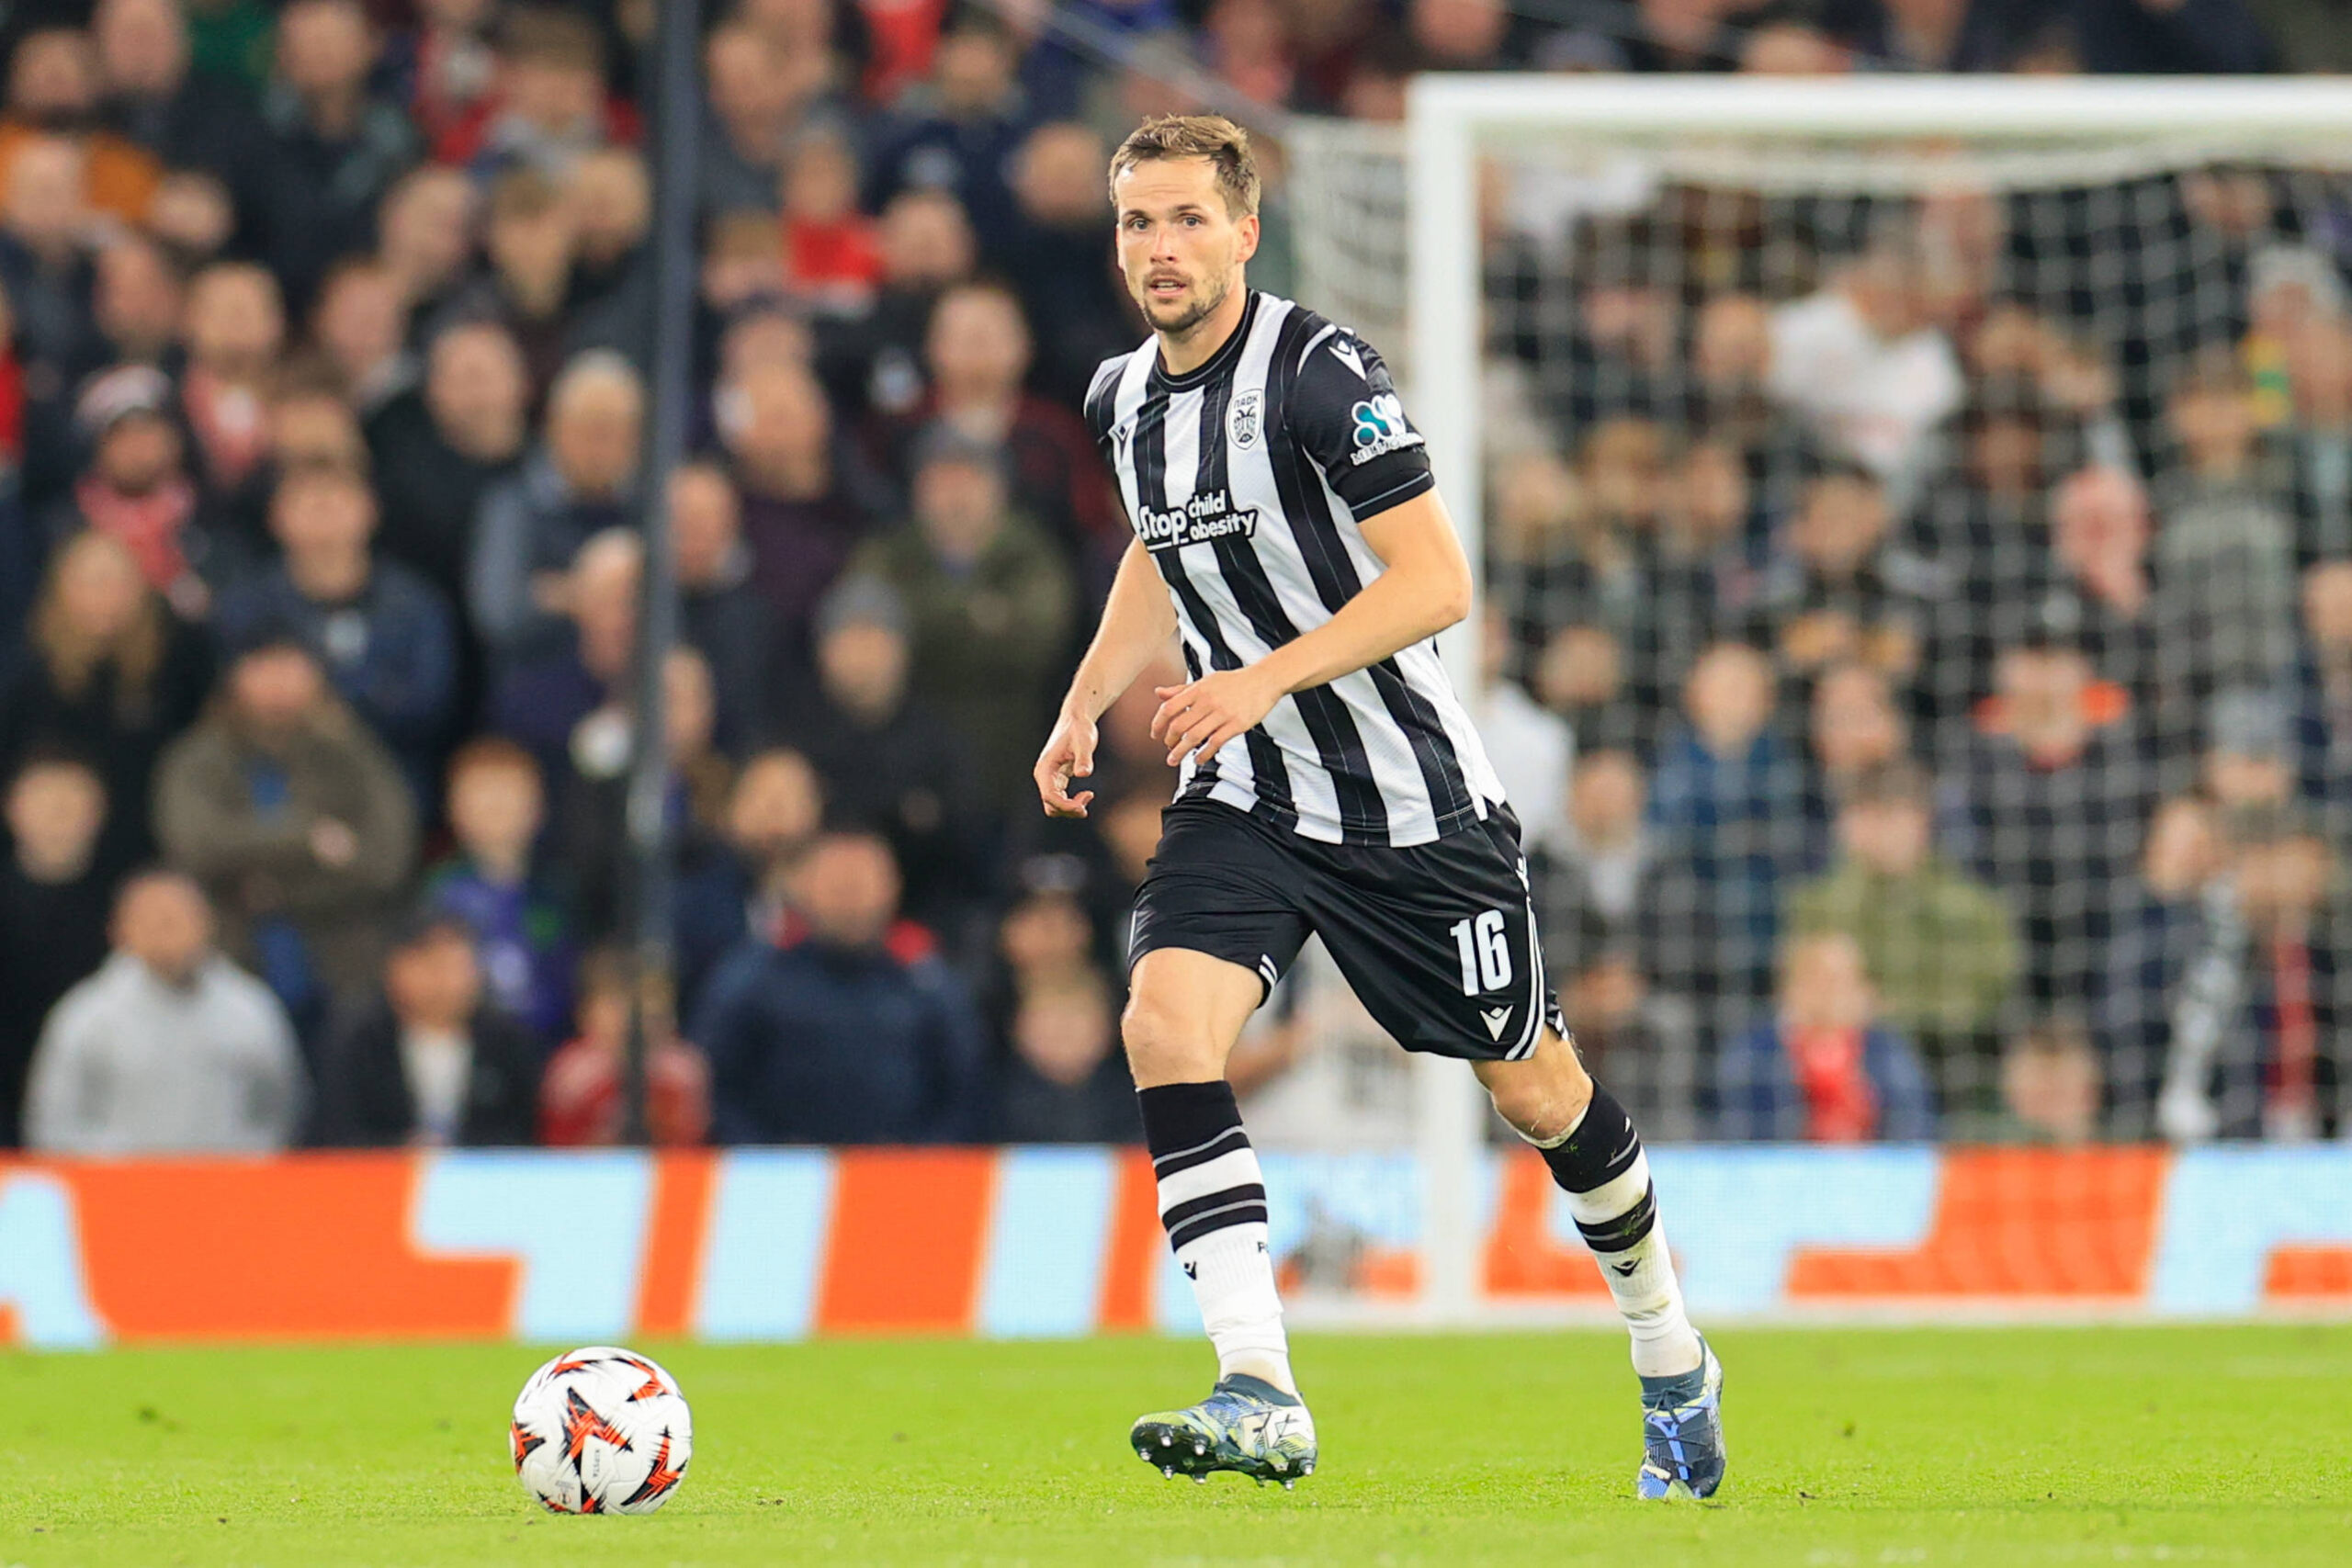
2007	1447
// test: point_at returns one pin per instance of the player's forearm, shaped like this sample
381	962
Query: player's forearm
1404	605
1136	624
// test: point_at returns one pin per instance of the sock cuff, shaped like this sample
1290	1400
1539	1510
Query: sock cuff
1599	1148
1188	1121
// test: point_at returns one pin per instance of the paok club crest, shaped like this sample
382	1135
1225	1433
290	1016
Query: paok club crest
1241	423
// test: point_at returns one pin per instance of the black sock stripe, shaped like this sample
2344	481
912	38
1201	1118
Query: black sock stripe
1183	1235
1211	1203
1603	1147
1627	1229
1224	1144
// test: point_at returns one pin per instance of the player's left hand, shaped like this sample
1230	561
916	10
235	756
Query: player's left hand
1198	718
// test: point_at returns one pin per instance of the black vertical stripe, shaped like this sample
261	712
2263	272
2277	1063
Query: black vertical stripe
1316	532
1363	815
1210	474
1103	399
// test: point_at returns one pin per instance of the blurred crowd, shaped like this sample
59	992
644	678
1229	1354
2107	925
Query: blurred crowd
323	342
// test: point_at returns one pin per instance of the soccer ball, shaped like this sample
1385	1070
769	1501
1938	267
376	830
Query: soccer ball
601	1431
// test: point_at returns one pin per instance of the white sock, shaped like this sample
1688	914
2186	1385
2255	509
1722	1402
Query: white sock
1648	1295
1216	1215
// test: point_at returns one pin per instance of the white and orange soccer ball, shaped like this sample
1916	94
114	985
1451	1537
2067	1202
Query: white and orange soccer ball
602	1430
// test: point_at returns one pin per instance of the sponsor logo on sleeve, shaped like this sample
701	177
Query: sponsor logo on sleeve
1381	428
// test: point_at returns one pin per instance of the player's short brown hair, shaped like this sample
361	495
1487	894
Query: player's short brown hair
1212	136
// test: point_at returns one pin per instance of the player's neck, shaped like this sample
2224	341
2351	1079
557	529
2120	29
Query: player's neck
1181	354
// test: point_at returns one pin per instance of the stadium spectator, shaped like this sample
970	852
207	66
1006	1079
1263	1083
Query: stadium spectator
1852	728
989	607
530	244
169	1048
1580	675
236	328
138	301
734	884
447	69
2057	788
2317	440
45	259
803	510
979	352
333	147
1058	260
833	252
426	238
2239	1010
1725	826
591	804
1838	595
2224	614
427	1063
54	90
295	821
1863	364
1938	948
1826	1069
110	673
722	615
151	96
1064	1079
1597	879
360	325
960	130
54	897
581	1102
580	481
612	274
439	453
872	742
549	702
2177	905
754	111
1532	747
847	1028
547	109
383	634
2324	698
1641	1041
494	883
927	243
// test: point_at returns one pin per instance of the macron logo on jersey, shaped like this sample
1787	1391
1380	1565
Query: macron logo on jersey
1381	428
1202	520
1345	353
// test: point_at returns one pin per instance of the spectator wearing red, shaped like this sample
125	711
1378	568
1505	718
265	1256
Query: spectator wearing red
581	1102
549	107
1824	1070
833	253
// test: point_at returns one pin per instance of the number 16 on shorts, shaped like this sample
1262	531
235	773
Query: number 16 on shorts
1484	949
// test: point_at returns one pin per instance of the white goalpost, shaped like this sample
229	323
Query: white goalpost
1394	232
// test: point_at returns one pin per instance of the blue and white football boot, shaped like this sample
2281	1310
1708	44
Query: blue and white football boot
1682	1432
1246	1425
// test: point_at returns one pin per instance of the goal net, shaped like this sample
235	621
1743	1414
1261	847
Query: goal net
1915	527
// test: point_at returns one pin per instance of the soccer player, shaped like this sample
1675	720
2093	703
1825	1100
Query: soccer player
1289	533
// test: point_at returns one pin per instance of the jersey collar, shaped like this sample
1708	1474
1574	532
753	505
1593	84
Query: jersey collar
1208	370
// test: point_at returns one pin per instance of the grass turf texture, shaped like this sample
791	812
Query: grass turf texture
2010	1447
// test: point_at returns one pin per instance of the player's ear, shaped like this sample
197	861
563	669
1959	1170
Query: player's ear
1247	225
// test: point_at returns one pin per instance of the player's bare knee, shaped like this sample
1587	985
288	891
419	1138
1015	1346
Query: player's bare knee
1544	1096
1163	1048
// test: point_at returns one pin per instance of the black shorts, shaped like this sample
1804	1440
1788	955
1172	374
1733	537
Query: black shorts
1438	940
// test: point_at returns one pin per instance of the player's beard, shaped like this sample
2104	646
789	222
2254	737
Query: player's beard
1204	304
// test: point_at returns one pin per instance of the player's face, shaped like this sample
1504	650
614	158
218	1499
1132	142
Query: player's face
1180	247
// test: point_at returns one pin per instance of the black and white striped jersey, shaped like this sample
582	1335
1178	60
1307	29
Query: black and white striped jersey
1248	479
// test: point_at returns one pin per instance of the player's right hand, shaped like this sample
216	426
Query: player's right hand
1068	754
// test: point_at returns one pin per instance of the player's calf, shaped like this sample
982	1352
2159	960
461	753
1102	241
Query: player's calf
1596	1157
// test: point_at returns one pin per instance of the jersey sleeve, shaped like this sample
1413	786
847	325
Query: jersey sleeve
1345	415
1102	396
